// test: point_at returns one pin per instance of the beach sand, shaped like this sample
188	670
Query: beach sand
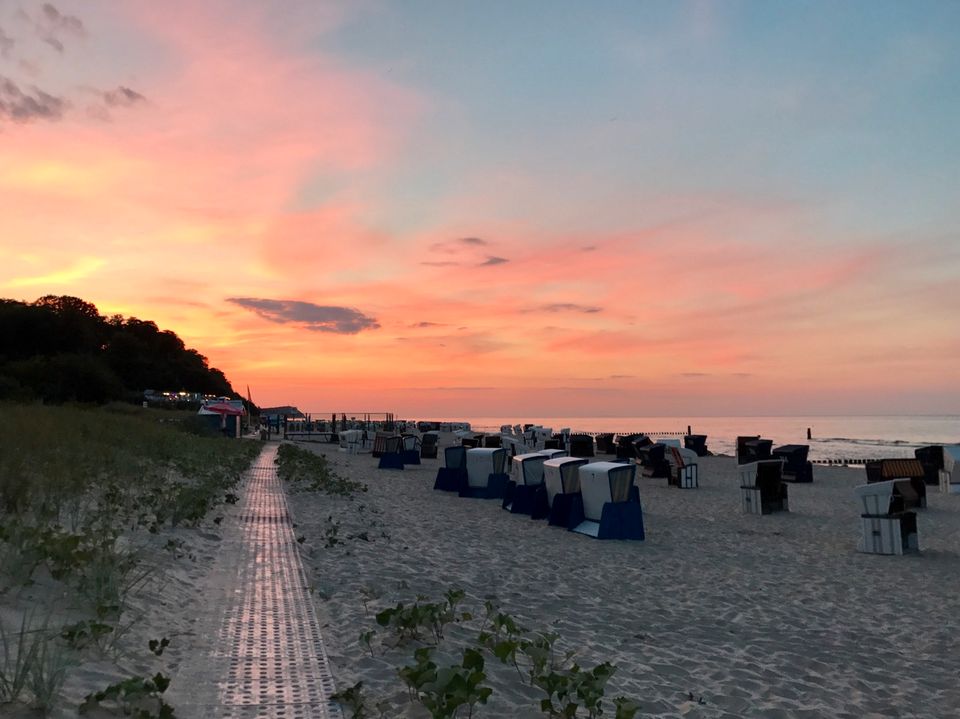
772	616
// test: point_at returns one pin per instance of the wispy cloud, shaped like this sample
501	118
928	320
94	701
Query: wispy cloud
34	104
122	97
492	260
53	26
318	318
571	307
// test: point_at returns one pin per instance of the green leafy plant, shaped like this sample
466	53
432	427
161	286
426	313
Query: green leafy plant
409	622
158	645
352	698
81	634
137	696
444	690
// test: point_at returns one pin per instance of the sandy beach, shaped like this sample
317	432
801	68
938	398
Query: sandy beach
716	614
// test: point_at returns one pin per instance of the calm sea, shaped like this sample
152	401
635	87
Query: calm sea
833	438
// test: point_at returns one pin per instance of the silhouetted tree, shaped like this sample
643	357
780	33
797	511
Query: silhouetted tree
60	348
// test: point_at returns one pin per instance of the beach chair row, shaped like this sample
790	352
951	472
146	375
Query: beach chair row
598	499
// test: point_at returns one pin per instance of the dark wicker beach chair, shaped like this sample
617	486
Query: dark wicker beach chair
605	444
753	449
627	445
697	443
428	445
581	445
796	468
762	489
931	458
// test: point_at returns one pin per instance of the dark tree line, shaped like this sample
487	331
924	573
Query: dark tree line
60	349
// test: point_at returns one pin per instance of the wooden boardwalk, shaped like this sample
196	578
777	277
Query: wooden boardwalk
262	653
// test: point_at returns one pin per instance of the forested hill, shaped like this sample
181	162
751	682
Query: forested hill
61	349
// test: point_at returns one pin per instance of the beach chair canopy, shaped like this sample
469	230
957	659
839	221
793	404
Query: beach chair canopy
581	445
881	499
605	443
552	453
883	469
411	442
669	442
603	482
932	456
627	445
428	445
527	469
561	475
753	448
794	457
455	457
482	462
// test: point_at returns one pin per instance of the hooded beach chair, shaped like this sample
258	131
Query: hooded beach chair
950	474
410	449
525	493
931	459
610	502
886	525
684	472
561	480
762	489
653	460
697	443
908	472
796	468
380	443
627	445
428	445
753	449
553	453
391	453
581	445
351	440
485	473
605	444
452	477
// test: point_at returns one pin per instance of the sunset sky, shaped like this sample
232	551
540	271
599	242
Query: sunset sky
502	208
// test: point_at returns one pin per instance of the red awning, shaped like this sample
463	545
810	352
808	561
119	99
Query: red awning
222	408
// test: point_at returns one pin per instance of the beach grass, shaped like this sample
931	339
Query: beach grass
82	489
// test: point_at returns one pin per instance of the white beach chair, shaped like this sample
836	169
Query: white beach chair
527	469
485	473
611	503
950	474
525	493
561	479
684	472
762	489
552	453
886	528
351	440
